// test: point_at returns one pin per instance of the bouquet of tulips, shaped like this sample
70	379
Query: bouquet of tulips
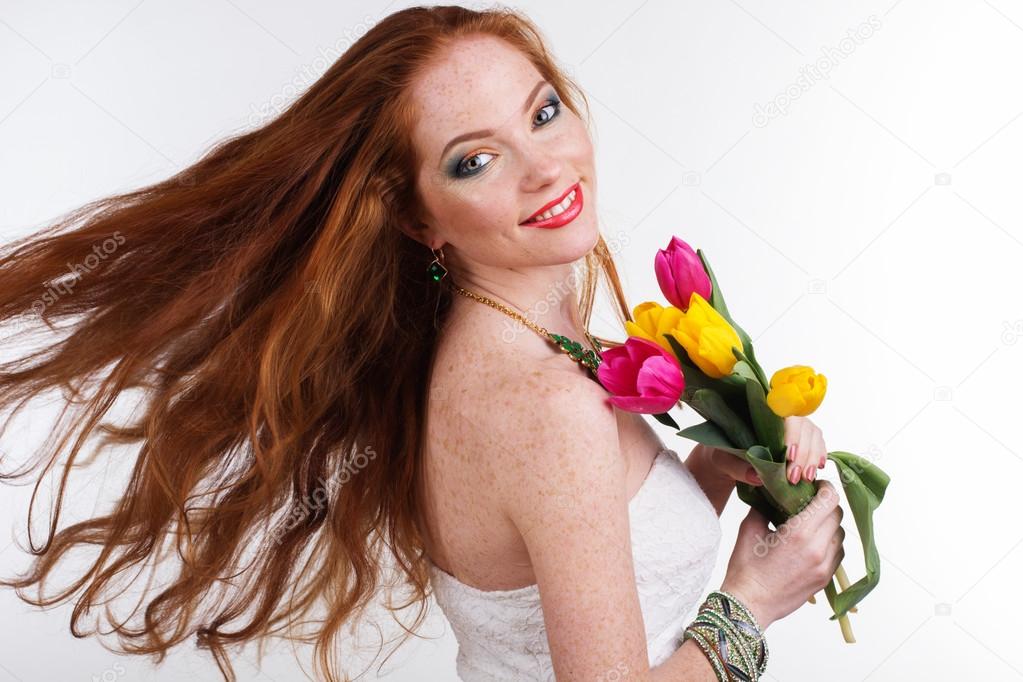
692	351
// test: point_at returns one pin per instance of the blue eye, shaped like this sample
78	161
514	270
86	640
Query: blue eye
467	167
552	103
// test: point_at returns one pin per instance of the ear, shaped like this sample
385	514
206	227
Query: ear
421	232
415	230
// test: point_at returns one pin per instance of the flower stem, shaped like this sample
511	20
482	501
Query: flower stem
843	582
843	621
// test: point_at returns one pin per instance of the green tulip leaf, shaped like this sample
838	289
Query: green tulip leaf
711	406
743	369
776	499
754	496
707	433
864	485
788	498
758	372
666	419
770	427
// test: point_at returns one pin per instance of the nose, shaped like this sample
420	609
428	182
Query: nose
542	168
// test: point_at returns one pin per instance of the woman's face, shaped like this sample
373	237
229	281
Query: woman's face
478	188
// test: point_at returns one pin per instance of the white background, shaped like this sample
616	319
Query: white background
870	231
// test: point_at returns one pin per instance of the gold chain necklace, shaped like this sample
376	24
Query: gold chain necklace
586	357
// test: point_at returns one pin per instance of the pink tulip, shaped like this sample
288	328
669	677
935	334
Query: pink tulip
679	273
641	376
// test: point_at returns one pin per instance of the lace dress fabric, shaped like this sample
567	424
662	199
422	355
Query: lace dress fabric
675	538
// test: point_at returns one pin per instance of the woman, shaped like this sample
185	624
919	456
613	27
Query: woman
327	394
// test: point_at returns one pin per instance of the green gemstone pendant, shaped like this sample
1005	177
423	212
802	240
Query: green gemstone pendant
576	351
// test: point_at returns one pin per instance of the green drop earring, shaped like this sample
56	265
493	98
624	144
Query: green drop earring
436	269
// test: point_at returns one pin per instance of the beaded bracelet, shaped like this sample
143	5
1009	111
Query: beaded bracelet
724	603
728	640
733	634
723	658
713	655
720	611
730	636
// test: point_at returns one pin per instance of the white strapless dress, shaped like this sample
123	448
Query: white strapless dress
675	538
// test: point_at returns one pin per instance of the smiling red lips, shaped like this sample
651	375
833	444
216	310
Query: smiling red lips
563	218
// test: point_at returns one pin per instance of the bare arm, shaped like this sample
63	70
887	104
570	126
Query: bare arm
687	664
563	489
562	485
718	488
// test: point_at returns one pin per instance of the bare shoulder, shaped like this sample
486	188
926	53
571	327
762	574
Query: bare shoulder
541	442
520	421
521	413
562	486
534	418
562	429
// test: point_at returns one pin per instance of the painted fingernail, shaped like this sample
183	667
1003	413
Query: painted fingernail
823	460
794	474
811	473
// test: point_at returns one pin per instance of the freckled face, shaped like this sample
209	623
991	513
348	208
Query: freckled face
476	192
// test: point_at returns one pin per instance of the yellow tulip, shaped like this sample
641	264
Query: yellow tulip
707	337
796	391
652	321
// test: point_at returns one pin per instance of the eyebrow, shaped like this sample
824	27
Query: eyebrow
487	132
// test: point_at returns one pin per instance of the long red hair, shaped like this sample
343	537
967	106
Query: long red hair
281	330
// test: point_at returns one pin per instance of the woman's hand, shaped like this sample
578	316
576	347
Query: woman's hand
805	453
727	466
